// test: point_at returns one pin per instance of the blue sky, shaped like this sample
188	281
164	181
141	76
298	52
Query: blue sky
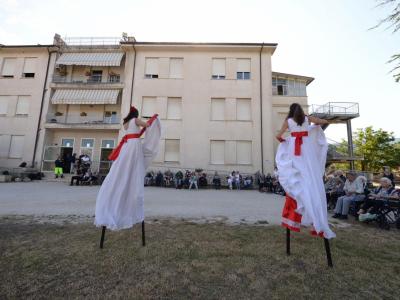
325	39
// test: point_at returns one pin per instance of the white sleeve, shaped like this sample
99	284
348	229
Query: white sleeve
151	142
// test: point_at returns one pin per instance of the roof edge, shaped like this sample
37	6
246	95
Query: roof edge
306	78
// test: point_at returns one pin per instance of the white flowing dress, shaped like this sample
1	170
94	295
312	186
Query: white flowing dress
302	176
119	203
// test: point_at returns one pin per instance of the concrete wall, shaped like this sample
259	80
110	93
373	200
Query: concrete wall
33	87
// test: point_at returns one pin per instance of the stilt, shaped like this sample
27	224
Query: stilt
143	235
328	253
287	241
103	232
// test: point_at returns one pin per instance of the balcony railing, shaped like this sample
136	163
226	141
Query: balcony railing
71	119
336	108
93	79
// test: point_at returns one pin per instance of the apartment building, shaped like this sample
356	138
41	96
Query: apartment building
220	103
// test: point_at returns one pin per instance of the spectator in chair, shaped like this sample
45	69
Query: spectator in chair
373	202
248	182
203	180
216	181
334	189
388	174
159	179
354	192
193	181
178	179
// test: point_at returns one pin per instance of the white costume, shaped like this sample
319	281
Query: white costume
301	176
119	202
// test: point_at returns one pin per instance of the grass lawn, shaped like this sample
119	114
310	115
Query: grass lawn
183	260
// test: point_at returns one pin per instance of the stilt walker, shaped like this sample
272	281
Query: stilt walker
301	159
119	203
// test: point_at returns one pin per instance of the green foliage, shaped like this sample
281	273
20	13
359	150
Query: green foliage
377	147
392	21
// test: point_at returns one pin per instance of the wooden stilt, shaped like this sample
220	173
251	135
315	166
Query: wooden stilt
143	235
328	253
287	241
103	232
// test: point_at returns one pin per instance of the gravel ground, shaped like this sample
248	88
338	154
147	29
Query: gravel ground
46	199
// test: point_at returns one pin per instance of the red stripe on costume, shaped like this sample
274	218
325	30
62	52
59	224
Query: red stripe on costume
115	153
298	141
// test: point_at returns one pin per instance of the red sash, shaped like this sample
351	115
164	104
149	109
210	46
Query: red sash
298	141
115	153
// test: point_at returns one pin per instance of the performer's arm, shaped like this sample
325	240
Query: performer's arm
317	121
141	123
283	129
126	125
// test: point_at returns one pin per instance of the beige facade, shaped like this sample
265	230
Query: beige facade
220	104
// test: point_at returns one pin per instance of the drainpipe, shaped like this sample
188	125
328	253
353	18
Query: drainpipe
41	110
261	113
133	75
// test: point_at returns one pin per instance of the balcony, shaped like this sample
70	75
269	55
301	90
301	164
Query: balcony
112	81
336	110
83	122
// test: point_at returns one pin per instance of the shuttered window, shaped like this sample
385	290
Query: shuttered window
217	155
218	68
176	68
8	67
243	152
217	109
148	106
4	100
29	67
23	105
151	70
4	145
174	109
243	109
243	68
171	151
16	146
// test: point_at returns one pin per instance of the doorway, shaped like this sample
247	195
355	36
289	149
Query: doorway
66	154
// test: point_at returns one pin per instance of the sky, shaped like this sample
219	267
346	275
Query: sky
329	40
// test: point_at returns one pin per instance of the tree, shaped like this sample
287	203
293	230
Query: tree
393	21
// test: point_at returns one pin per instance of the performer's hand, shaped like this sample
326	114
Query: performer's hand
280	139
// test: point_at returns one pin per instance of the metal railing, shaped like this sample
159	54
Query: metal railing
336	108
92	41
93	79
78	119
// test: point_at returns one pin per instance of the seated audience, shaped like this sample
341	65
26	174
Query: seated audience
248	182
203	180
354	192
216	181
178	180
159	179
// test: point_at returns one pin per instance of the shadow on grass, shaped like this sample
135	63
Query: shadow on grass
188	260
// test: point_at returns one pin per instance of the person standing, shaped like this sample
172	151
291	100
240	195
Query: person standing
59	165
300	162
119	203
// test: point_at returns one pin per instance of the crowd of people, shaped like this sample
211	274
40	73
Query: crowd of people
353	195
80	167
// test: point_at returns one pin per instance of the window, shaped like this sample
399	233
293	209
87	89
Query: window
4	105
243	152
114	78
29	67
68	143
243	68
16	146
174	109
4	145
176	68
22	106
108	144
111	117
217	109
148	106
95	76
171	151
289	87
243	109
230	152
151	70
87	147
8	68
218	68
217	155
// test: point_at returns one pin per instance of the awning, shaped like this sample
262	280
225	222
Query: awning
91	59
64	96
